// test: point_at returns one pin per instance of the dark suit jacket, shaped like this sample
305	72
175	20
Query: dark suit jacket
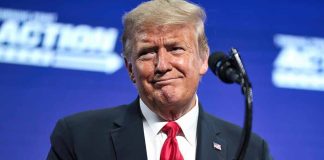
117	133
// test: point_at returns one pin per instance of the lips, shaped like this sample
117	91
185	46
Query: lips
164	80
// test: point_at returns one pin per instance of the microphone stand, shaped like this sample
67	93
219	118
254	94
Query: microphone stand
247	92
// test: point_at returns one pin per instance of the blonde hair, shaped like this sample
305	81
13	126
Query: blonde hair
164	12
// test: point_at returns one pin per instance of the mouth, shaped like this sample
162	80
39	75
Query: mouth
164	81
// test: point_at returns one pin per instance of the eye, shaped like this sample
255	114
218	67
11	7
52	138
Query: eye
146	55
177	50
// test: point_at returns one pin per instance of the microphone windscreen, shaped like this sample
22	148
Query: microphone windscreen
214	60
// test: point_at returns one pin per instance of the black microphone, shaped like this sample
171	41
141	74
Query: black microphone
224	67
230	69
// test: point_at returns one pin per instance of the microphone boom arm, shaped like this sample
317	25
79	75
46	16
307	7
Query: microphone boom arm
247	92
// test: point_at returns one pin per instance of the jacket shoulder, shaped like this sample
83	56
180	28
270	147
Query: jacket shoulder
231	133
95	117
85	134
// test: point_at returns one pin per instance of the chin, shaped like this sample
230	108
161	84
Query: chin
173	98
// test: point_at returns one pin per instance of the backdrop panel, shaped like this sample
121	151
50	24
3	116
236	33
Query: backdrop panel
62	57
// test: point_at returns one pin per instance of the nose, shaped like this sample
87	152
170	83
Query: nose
162	64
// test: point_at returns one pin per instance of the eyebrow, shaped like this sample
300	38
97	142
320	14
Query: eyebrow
147	49
153	47
148	44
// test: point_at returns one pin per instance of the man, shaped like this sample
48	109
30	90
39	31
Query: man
166	54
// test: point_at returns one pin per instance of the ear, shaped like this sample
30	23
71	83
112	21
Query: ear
129	68
204	65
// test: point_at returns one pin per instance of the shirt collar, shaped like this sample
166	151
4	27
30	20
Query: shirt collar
187	122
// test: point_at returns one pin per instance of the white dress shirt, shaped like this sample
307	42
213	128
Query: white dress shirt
154	137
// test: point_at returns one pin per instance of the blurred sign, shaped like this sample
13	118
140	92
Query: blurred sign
300	63
36	38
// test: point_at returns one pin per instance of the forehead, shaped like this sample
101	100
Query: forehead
165	33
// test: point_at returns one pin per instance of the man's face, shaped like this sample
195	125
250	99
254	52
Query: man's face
166	67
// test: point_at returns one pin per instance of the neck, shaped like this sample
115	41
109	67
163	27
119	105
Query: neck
172	112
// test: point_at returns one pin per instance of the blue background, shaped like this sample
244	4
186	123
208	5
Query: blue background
32	99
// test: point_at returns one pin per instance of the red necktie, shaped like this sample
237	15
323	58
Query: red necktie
170	149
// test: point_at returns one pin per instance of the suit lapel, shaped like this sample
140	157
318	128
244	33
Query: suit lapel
128	137
209	143
129	142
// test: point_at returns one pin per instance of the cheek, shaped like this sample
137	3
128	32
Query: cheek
189	66
193	70
143	71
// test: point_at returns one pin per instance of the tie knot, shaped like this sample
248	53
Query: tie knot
171	129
